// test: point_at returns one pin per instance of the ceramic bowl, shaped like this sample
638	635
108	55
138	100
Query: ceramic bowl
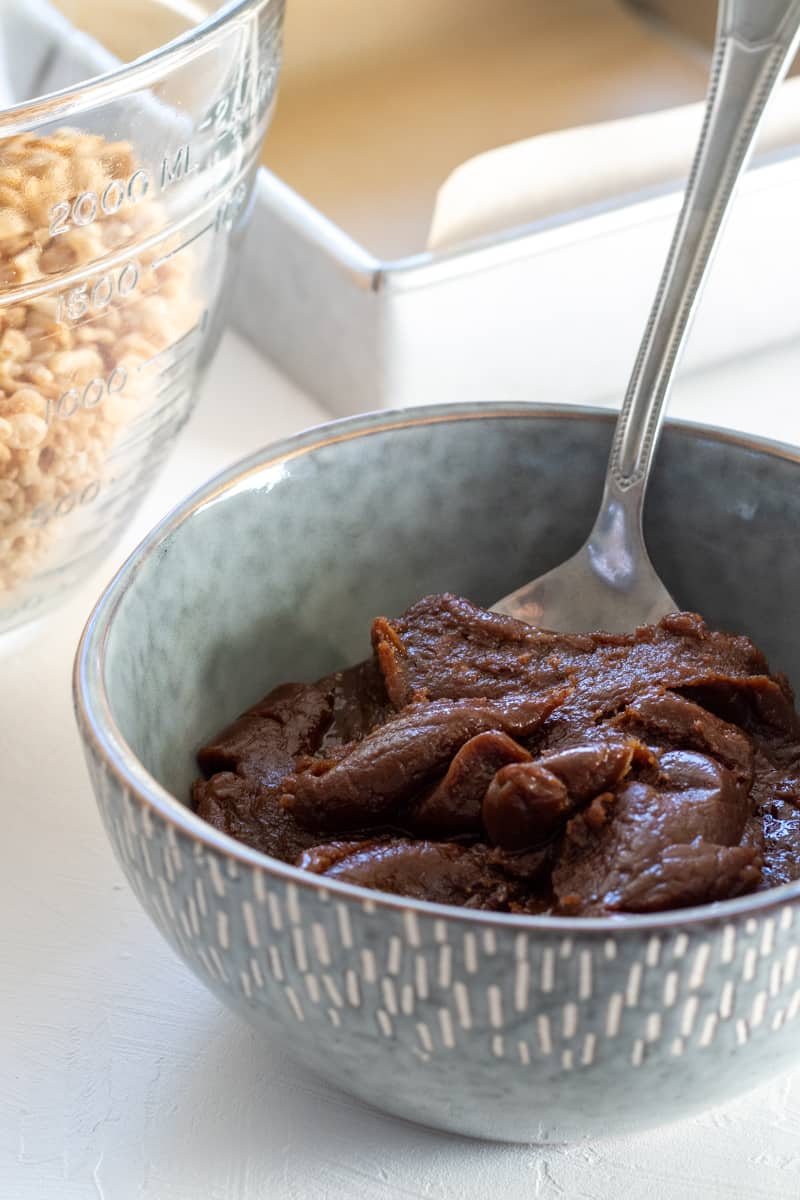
492	1025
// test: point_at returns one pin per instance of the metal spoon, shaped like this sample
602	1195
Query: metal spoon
610	583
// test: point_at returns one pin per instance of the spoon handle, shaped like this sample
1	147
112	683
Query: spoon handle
755	42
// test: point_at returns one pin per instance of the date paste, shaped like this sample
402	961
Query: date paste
475	760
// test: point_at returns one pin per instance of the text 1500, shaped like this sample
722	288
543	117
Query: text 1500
90	298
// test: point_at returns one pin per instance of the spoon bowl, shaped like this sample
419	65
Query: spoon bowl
615	591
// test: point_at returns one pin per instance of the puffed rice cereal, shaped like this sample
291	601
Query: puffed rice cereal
72	358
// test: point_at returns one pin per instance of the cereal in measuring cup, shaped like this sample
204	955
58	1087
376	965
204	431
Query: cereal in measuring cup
83	310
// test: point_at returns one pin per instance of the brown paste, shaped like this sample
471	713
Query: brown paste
475	760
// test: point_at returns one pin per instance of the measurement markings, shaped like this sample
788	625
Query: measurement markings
44	287
179	378
157	262
151	425
176	362
117	306
198	327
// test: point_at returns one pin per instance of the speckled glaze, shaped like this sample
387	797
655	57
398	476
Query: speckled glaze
513	1028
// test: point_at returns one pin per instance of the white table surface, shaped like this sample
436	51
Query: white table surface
121	1078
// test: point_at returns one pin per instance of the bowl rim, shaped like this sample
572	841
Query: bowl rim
140	72
101	734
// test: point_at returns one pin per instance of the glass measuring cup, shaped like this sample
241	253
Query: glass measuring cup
122	201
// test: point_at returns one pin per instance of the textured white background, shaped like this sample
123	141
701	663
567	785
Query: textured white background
122	1079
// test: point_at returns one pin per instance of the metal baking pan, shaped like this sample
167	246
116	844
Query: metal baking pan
550	312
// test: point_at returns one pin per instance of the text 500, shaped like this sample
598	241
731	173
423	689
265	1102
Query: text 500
43	514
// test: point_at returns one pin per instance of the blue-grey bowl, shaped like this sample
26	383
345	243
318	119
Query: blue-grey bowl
499	1026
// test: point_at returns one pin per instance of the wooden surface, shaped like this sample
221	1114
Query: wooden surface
121	1078
370	143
